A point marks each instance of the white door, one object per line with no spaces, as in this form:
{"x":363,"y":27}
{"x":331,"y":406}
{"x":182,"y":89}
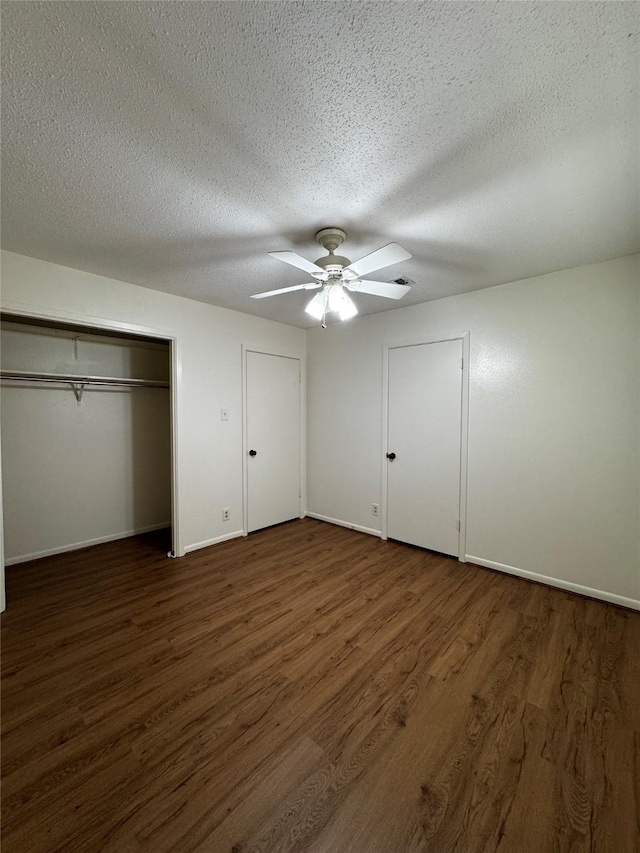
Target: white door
{"x":273,"y":439}
{"x":424,"y":434}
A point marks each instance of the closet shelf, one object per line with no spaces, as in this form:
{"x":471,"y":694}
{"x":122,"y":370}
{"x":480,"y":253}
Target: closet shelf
{"x":73,"y":379}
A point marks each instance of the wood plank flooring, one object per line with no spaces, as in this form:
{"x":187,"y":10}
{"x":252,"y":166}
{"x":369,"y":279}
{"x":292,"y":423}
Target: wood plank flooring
{"x":310,"y":688}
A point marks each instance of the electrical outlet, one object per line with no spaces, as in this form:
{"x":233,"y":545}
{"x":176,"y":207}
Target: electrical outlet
{"x":226,"y":514}
{"x":375,"y":509}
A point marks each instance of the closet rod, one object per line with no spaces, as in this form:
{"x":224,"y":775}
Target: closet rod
{"x":26,"y":376}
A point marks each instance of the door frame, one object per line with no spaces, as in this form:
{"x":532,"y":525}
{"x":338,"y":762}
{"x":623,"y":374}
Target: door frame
{"x":464,"y":429}
{"x":245,"y":349}
{"x":90,"y":322}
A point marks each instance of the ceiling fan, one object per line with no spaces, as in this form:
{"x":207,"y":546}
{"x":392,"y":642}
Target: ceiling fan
{"x":336,"y":274}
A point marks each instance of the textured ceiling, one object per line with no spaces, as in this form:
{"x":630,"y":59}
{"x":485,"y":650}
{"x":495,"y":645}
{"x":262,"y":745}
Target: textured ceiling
{"x":174,"y":144}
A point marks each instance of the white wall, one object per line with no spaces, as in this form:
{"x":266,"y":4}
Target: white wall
{"x":75,"y":473}
{"x":554,"y":408}
{"x":554,"y":469}
{"x":209,"y":339}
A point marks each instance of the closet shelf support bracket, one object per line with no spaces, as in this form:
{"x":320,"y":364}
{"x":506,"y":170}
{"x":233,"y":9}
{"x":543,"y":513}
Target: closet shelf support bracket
{"x":78,"y":390}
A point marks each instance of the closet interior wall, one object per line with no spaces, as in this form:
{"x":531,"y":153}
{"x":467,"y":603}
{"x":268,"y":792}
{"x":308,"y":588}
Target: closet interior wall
{"x":86,"y":463}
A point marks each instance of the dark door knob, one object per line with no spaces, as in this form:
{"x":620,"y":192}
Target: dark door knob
{"x":253,"y":453}
{"x":391,"y":456}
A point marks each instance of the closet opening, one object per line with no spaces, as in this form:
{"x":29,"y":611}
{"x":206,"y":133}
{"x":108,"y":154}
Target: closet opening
{"x":88,"y":437}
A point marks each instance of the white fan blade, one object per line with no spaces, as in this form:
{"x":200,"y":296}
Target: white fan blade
{"x":298,"y":261}
{"x":384,"y":257}
{"x":379,"y":288}
{"x":311,"y":286}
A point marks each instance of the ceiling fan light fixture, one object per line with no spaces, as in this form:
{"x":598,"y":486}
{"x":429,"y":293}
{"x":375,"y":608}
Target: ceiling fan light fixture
{"x":348,"y":308}
{"x":335,"y":297}
{"x":332,"y":299}
{"x":340,"y":302}
{"x":348,"y":313}
{"x":317,"y":307}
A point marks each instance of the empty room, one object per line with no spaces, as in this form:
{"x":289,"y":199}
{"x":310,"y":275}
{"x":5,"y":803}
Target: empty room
{"x":320,"y":427}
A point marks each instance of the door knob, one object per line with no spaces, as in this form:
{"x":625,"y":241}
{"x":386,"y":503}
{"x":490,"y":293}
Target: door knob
{"x":253,"y":453}
{"x":391,"y":456}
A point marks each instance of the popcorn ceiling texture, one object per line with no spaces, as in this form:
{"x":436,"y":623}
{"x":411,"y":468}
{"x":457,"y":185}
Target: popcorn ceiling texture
{"x":173,"y":145}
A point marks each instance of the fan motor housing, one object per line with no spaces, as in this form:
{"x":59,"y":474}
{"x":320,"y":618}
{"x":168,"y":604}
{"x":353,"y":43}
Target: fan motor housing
{"x":327,"y":261}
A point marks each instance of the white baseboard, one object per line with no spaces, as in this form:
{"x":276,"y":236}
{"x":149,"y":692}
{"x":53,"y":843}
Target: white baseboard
{"x":560,"y":584}
{"x":216,"y":539}
{"x":347,"y":524}
{"x":76,"y":546}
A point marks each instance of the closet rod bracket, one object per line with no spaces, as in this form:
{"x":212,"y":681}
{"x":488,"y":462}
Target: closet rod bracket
{"x":78,"y":390}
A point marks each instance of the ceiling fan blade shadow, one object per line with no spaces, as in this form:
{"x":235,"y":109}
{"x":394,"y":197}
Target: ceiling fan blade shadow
{"x":298,"y":261}
{"x":379,"y":288}
{"x":311,"y":286}
{"x":392,"y":253}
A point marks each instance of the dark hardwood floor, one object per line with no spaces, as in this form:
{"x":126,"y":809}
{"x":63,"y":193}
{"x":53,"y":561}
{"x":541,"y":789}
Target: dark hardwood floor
{"x":311,"y":688}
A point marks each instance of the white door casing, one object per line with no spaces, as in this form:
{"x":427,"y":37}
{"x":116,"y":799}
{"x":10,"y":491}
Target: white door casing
{"x":424,"y":487}
{"x":273,"y":433}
